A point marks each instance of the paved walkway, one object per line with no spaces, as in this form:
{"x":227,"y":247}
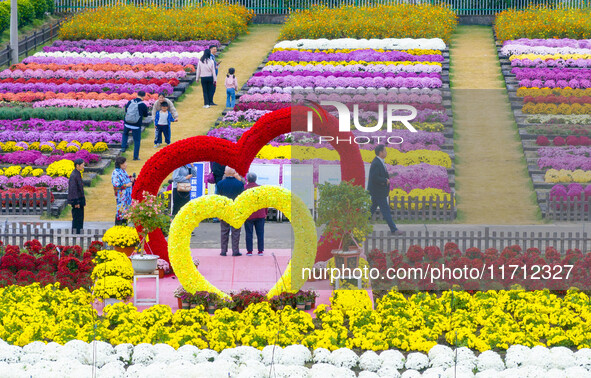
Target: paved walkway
{"x":245,"y":54}
{"x":492,"y":182}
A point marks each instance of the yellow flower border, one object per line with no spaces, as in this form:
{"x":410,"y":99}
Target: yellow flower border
{"x":235,"y":213}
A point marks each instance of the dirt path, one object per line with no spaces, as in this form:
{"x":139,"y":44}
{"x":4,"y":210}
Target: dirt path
{"x":245,"y":54}
{"x":493,"y":186}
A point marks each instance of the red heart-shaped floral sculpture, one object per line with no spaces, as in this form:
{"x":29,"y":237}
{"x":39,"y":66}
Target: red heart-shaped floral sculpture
{"x":241,"y":154}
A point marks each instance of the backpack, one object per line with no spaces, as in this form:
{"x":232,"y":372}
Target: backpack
{"x":132,"y":116}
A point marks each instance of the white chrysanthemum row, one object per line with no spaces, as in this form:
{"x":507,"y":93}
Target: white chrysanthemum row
{"x":125,"y":55}
{"x":351,"y":43}
{"x":77,"y":358}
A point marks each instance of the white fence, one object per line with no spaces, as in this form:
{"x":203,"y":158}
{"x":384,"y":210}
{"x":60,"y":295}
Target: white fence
{"x":461,"y":7}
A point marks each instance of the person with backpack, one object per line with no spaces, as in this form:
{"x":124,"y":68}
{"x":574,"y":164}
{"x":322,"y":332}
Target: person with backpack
{"x":207,"y":73}
{"x":135,"y":111}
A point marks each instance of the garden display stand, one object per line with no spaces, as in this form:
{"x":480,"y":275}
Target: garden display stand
{"x":146,"y":301}
{"x":144,"y":264}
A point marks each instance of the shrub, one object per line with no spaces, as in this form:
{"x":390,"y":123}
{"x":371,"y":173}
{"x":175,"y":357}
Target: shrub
{"x":572,"y":140}
{"x":543,"y":22}
{"x":391,"y":21}
{"x":559,"y":141}
{"x":209,"y":22}
{"x":62,"y":114}
{"x":542,"y":141}
{"x":26,"y":12}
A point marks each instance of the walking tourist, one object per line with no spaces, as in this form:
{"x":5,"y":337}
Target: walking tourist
{"x":181,"y":186}
{"x":231,"y":186}
{"x":214,"y":50}
{"x":218,"y":175}
{"x":135,"y":111}
{"x":171,"y":108}
{"x":256,"y":220}
{"x":76,"y":196}
{"x":206,"y":71}
{"x":379,"y":187}
{"x":162,"y":124}
{"x":122,"y":185}
{"x":231,"y":88}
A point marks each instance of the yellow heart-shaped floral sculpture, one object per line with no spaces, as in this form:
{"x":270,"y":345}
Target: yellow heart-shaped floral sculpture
{"x":236,"y":213}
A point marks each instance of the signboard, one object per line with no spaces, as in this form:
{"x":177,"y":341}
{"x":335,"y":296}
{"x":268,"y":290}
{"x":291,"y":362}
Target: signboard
{"x":329,"y":173}
{"x":267,"y":174}
{"x":198,"y":182}
{"x":299,"y":178}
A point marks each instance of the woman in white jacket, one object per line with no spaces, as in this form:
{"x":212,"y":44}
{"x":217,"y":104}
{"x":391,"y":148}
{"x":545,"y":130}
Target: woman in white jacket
{"x":206,"y":71}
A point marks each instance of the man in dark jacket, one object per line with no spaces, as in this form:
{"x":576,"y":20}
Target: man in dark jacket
{"x":76,"y":196}
{"x":256,"y":221}
{"x":135,"y":111}
{"x":379,"y":187}
{"x":231,"y":186}
{"x":218,"y":174}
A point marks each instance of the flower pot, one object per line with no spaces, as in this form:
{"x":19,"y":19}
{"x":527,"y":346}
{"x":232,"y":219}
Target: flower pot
{"x":144,"y":264}
{"x":346,"y":259}
{"x":239,"y":308}
{"x":180,"y":303}
{"x":308,"y":305}
{"x":301,"y":306}
{"x":160,"y":273}
{"x":127,"y":250}
{"x":211,"y":309}
{"x":112,"y":301}
{"x":313,"y":305}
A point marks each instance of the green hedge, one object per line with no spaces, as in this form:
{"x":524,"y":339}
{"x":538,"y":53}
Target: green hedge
{"x":28,"y":10}
{"x":62,"y":114}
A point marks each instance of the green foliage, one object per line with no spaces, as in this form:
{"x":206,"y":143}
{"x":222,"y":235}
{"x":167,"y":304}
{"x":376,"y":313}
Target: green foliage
{"x":345,"y":211}
{"x":28,"y":10}
{"x":53,"y":113}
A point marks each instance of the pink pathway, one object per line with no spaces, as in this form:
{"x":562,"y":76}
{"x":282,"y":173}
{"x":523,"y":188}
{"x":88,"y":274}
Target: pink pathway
{"x":232,"y":274}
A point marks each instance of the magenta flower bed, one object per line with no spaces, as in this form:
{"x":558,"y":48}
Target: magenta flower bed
{"x":539,"y":63}
{"x":353,"y":82}
{"x":90,"y":74}
{"x":357,"y":55}
{"x":565,"y":158}
{"x":417,"y":68}
{"x":38,"y":159}
{"x":59,"y":184}
{"x":563,"y":42}
{"x":46,"y":136}
{"x":573,"y":83}
{"x":121,"y":61}
{"x":573,"y":190}
{"x":84,"y":104}
{"x":345,"y":74}
{"x":40,"y":125}
{"x":390,"y":98}
{"x":551,"y":73}
{"x":98,"y":88}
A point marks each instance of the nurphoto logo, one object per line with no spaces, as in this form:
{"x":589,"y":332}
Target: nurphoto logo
{"x":344,"y":116}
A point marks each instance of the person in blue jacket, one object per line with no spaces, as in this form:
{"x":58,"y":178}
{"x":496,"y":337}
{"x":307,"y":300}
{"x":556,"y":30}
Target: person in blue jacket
{"x":231,"y":186}
{"x":162,"y":124}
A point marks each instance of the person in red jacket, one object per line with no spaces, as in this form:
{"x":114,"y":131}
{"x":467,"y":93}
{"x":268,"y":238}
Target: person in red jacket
{"x":256,"y":220}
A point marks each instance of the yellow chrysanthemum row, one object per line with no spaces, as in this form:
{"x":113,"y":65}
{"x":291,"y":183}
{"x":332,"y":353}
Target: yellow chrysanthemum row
{"x":395,"y":157}
{"x":565,"y":175}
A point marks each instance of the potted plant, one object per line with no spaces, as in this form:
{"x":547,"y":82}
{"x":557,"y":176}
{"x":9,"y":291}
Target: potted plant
{"x":344,"y":210}
{"x":301,"y":300}
{"x":112,"y":276}
{"x":310,"y":298}
{"x":163,"y":267}
{"x":122,"y":238}
{"x":148,"y":215}
{"x":180,"y":290}
{"x":212,"y":302}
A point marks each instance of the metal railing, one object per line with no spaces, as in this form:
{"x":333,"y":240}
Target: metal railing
{"x":30,"y":43}
{"x":461,"y":7}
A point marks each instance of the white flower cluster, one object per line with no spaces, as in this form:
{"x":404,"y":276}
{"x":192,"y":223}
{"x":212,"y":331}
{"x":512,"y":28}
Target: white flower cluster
{"x":352,"y":43}
{"x":125,"y":55}
{"x":79,"y":359}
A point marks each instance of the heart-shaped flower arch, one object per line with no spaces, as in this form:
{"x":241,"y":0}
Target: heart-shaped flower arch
{"x":241,"y":154}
